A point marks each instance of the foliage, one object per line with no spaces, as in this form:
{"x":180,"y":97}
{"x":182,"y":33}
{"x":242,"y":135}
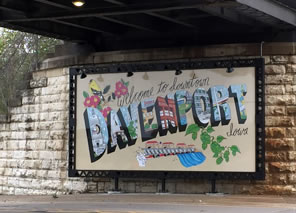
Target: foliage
{"x":220,"y":152}
{"x":147,"y":126}
{"x":132,"y":130}
{"x":154,"y":126}
{"x":85,"y":94}
{"x":20,"y":54}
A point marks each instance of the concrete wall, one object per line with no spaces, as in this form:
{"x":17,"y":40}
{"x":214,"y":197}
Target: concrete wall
{"x":34,"y":139}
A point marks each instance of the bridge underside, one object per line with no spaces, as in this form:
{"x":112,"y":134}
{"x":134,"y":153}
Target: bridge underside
{"x":131,"y":24}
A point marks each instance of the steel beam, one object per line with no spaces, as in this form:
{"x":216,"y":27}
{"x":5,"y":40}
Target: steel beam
{"x":120,"y":10}
{"x":273,"y":9}
{"x":228,"y":14}
{"x":64,"y":34}
{"x":82,"y":27}
{"x":101,"y":17}
{"x":115,"y":2}
{"x":13,"y":10}
{"x":54,"y":4}
{"x":125,"y":23}
{"x":155,"y":15}
{"x":170,"y":19}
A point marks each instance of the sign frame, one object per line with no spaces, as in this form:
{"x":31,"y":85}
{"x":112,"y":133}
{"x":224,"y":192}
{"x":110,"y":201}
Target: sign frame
{"x":257,"y":63}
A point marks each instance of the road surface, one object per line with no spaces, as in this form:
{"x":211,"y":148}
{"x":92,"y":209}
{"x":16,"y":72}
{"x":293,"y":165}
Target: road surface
{"x":147,"y":203}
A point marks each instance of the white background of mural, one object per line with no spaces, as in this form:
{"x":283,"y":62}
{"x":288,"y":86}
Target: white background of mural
{"x":126,"y":159}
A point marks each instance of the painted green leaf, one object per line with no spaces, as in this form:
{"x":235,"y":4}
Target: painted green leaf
{"x":194,"y":136}
{"x":109,"y":98}
{"x":154,"y":126}
{"x":215,"y":155}
{"x":126,"y":84}
{"x":113,"y":95}
{"x":205,"y":138}
{"x":132,"y":130}
{"x":85,"y":94}
{"x":219,"y":147}
{"x":226,"y":156}
{"x":234,"y":150}
{"x":182,"y":111}
{"x":106,"y":89}
{"x":133,"y":134}
{"x":193,"y":128}
{"x":99,"y":107}
{"x":220,"y":138}
{"x":216,"y":148}
{"x":210,"y":129}
{"x":130,"y":125}
{"x":147,"y":126}
{"x":204,"y":146}
{"x":219,"y":160}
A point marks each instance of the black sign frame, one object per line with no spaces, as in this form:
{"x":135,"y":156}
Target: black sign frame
{"x":257,"y":63}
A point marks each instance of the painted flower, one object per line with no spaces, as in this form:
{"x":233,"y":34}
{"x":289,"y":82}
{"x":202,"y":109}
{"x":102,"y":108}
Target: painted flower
{"x":121,"y":89}
{"x":92,"y":101}
{"x":87,"y":102}
{"x":119,"y":85}
{"x":117,"y":93}
{"x":105,"y":112}
{"x":95,"y":100}
{"x":124,"y":90}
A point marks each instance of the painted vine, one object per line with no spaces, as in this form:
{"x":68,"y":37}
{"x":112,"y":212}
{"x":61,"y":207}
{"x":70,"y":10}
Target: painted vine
{"x":221,"y":152}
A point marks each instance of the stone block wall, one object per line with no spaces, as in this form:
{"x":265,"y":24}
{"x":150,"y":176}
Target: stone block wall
{"x":34,"y":142}
{"x":280,"y":92}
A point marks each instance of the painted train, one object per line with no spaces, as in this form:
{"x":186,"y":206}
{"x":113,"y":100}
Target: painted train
{"x":154,"y":149}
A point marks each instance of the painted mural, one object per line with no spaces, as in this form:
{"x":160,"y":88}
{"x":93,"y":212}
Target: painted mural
{"x":202,"y":120}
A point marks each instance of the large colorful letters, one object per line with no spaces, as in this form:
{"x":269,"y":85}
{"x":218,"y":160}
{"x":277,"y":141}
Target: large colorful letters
{"x":161,"y":115}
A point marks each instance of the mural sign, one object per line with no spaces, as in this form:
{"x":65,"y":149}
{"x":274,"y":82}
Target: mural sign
{"x":208,"y":119}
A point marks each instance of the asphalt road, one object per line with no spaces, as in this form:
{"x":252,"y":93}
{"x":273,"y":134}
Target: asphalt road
{"x":143,"y":203}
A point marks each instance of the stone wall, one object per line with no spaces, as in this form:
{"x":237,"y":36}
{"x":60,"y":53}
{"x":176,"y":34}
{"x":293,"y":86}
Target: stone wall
{"x":280,"y":129}
{"x":34,"y":139}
